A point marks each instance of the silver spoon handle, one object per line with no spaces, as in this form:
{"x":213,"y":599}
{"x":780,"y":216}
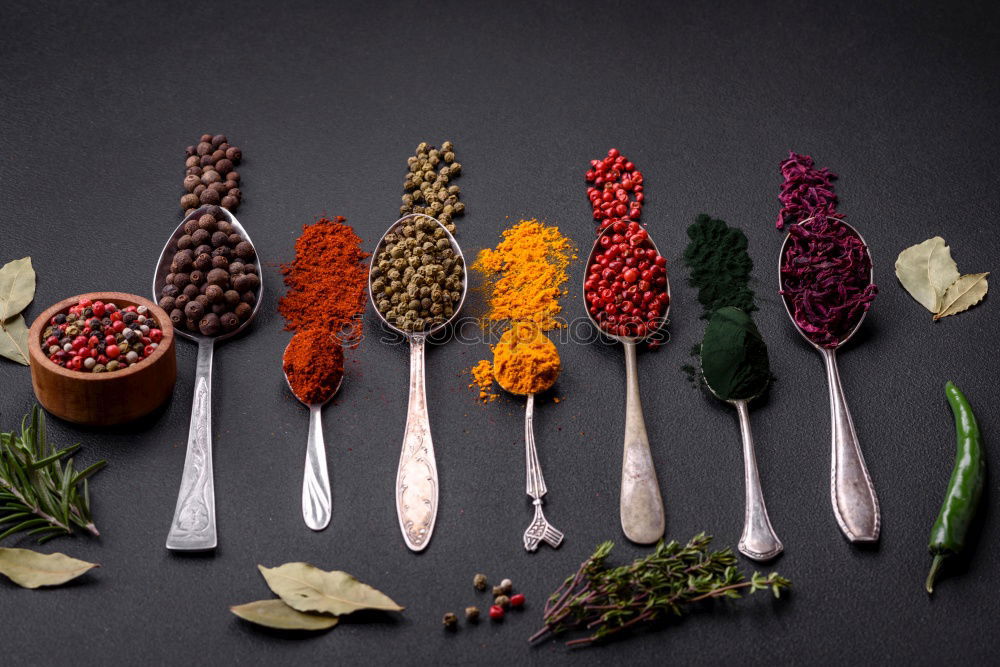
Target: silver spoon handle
{"x":317,"y":504}
{"x":641,"y":504}
{"x":854,"y":502}
{"x":535,"y":482}
{"x":758,"y":540}
{"x":193,"y":527}
{"x":416,"y":479}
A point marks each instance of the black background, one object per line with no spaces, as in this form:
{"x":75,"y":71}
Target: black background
{"x":327,"y":100}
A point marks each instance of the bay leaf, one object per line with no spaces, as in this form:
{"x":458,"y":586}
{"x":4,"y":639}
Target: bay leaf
{"x":305,"y":587}
{"x":17,"y":287}
{"x":32,"y":569}
{"x":277,"y":614}
{"x":963,"y":294}
{"x":14,"y":339}
{"x":926,"y":270}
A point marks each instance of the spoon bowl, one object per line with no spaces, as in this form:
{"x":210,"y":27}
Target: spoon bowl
{"x":193,"y":526}
{"x":641,"y":505}
{"x":416,"y":476}
{"x":317,"y":499}
{"x":855,"y":504}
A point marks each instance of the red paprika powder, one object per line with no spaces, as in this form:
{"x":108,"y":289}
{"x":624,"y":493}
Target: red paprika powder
{"x":314,"y":365}
{"x":326,"y":281}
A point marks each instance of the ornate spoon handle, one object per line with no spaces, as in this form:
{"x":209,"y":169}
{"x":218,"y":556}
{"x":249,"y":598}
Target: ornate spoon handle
{"x":758,"y":540}
{"x":416,"y":479}
{"x":642,"y":512}
{"x":193,"y":527}
{"x":317,"y":503}
{"x":540,"y":529}
{"x":854,"y":501}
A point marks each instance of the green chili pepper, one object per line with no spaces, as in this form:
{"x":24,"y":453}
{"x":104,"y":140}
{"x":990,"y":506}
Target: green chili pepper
{"x":964,"y":489}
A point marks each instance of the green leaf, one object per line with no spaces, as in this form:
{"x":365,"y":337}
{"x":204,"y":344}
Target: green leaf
{"x":14,"y":339}
{"x":963,"y":294}
{"x":17,"y":287}
{"x":31,"y":569}
{"x":926,"y":270}
{"x":305,"y":587}
{"x":277,"y":614}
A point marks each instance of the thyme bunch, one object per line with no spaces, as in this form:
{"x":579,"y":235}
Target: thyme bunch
{"x":39,"y":493}
{"x":605,"y":601}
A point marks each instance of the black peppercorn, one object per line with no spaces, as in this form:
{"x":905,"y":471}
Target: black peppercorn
{"x":194,"y":310}
{"x":219,"y":277}
{"x":229,"y":321}
{"x":61,"y":318}
{"x":244,"y":250}
{"x":209,"y":324}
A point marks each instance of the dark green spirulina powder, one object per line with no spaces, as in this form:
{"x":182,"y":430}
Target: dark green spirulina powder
{"x":720,"y":266}
{"x":734,"y":356}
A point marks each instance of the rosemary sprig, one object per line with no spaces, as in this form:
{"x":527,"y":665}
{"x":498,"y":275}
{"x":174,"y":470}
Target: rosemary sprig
{"x":607,"y":601}
{"x":38,"y":492}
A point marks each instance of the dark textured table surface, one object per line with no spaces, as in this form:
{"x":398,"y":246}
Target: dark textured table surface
{"x":98,"y":101}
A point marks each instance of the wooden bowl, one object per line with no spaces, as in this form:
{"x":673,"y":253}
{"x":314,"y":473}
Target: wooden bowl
{"x":103,"y":398}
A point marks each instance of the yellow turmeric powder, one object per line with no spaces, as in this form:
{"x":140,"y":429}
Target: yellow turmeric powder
{"x":525,"y":361}
{"x":525,"y":274}
{"x":524,"y":278}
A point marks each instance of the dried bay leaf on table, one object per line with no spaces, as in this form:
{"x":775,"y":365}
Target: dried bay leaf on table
{"x":32,"y":569}
{"x":305,"y":587}
{"x":14,"y":339}
{"x":926,"y":270}
{"x":17,"y":287}
{"x":964,"y":293}
{"x":277,"y":614}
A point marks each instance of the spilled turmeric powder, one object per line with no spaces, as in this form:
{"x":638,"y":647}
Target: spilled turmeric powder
{"x":525,"y":361}
{"x":524,"y":277}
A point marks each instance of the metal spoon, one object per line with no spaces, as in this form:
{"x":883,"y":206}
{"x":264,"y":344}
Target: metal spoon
{"x":854,"y":501}
{"x":642,"y":513}
{"x":540,"y":529}
{"x":193,"y":526}
{"x":317,"y":503}
{"x":416,"y":477}
{"x":758,"y":540}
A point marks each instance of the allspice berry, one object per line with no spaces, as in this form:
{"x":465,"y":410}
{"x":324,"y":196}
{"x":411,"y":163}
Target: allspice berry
{"x":189,"y":201}
{"x":244,"y":250}
{"x":209,"y":196}
{"x":194,"y":310}
{"x":219,"y":277}
{"x":230,"y":321}
{"x":243,"y":311}
{"x":209,"y":324}
{"x":214,"y":293}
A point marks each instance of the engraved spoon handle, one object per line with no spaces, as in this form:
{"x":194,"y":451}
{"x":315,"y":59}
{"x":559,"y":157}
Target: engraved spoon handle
{"x":854,"y":501}
{"x":758,"y":540}
{"x":416,"y":479}
{"x":193,"y":527}
{"x":642,"y":514}
{"x":317,"y":504}
{"x":535,"y":482}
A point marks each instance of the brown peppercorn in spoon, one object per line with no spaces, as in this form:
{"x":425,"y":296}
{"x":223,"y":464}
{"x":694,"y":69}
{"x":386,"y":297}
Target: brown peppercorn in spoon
{"x":540,"y":529}
{"x":317,"y":501}
{"x":641,"y":505}
{"x":193,"y":526}
{"x":416,"y":476}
